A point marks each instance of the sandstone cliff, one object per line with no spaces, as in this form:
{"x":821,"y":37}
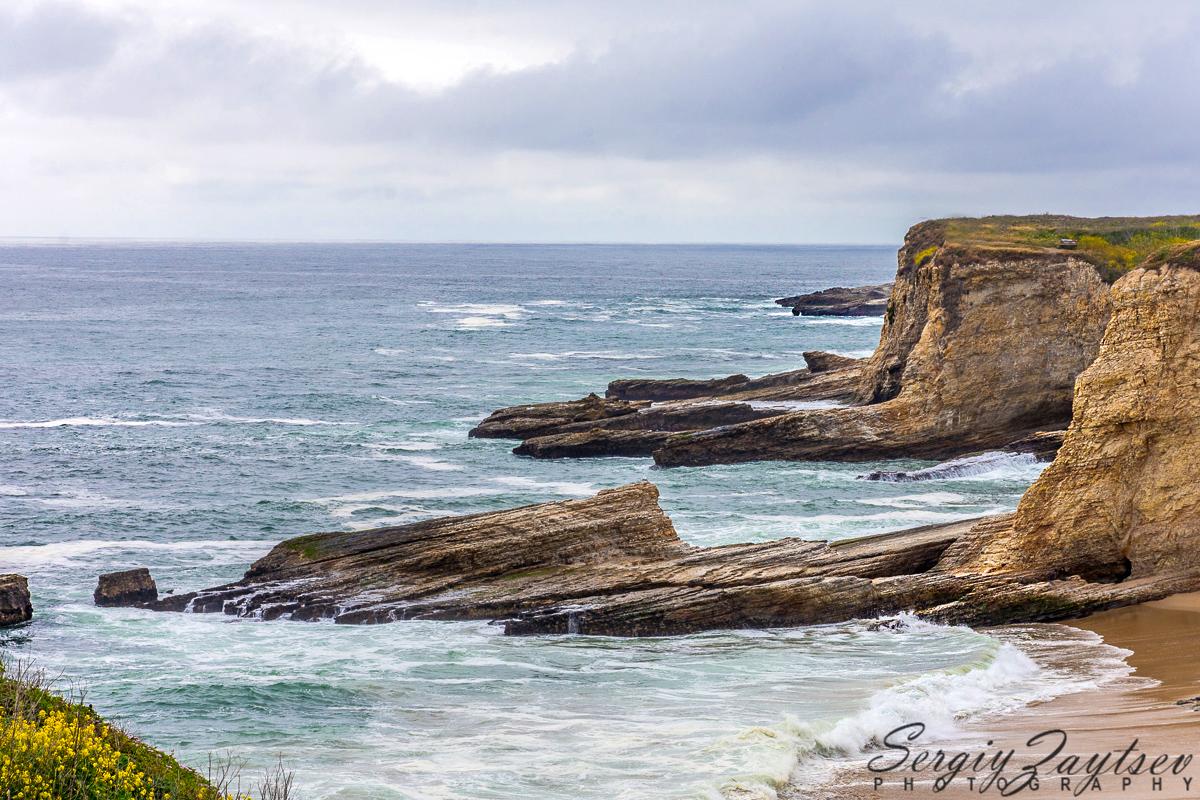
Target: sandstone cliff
{"x":1121,"y":498}
{"x":980,"y":347}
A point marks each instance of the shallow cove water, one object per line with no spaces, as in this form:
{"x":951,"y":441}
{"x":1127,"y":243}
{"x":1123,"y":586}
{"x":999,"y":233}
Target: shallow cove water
{"x":184,"y":407}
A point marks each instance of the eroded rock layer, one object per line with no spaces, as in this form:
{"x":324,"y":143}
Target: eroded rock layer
{"x":980,"y":347}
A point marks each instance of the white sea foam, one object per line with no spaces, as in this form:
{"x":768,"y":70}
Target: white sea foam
{"x":40,"y":555}
{"x":12,"y":491}
{"x":411,"y":494}
{"x":1018,"y":671}
{"x":986,"y":466}
{"x":598,"y":355}
{"x":99,"y":422}
{"x":389,"y":351}
{"x":557,"y":487}
{"x":173,"y":421}
{"x":433,"y":464}
{"x":853,"y":322}
{"x":471,"y":323}
{"x":917,"y":500}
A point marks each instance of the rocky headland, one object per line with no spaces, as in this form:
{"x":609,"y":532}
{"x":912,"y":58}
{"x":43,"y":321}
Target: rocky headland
{"x":1114,"y":520}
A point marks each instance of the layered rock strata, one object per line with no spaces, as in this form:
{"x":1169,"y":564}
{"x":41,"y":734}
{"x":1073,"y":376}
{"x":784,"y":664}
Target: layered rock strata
{"x":638,"y":416}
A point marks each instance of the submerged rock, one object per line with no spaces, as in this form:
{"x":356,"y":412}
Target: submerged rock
{"x":131,"y":587}
{"x":840,"y":301}
{"x":15,"y":604}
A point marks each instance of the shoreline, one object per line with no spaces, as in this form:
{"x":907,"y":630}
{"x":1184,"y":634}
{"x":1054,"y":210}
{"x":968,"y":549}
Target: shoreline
{"x":1160,"y":637}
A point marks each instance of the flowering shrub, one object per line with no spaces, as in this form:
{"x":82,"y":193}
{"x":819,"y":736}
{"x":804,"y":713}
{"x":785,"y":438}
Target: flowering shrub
{"x":52,"y":749}
{"x":58,"y":755}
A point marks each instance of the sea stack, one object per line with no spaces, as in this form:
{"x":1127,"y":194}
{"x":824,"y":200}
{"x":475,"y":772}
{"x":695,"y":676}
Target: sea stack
{"x":131,"y":587}
{"x":15,"y":605}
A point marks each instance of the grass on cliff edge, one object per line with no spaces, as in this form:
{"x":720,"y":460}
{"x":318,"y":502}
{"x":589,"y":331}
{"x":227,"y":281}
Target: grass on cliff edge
{"x":1114,"y":244}
{"x":54,"y":749}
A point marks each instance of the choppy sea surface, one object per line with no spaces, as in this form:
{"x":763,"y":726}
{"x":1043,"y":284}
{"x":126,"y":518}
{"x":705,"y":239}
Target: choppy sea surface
{"x":184,"y":407}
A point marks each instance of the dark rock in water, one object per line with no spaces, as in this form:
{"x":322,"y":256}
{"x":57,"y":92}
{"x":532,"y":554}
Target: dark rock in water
{"x":840,"y":301}
{"x":820,"y":361}
{"x":638,"y":434}
{"x":132,"y":587}
{"x":673,"y":388}
{"x":540,"y":419}
{"x":593,"y":442}
{"x":15,"y":605}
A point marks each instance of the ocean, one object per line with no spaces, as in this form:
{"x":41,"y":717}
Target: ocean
{"x":186,"y":406}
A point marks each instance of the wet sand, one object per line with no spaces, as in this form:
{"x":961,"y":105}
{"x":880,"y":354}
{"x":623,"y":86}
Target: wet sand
{"x":1165,"y":639}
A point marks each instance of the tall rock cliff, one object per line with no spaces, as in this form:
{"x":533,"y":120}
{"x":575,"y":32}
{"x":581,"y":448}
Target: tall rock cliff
{"x":1123,"y":495}
{"x":980,"y":345}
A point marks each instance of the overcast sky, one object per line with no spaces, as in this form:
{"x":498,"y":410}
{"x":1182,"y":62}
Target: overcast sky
{"x":590,"y":121}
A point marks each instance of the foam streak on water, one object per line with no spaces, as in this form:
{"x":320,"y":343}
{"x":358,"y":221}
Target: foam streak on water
{"x":185,"y":408}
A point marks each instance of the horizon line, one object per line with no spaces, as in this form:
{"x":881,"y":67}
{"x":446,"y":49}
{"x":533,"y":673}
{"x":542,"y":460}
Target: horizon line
{"x":17,"y":239}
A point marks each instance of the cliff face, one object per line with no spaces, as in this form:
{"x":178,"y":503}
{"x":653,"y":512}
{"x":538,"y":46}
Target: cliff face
{"x":1121,"y":497}
{"x":979,"y":348}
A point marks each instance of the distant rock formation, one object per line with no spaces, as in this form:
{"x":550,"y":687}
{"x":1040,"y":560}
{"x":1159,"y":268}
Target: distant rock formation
{"x":639,"y":416}
{"x":131,"y":587}
{"x":861,"y":301}
{"x":15,"y":605}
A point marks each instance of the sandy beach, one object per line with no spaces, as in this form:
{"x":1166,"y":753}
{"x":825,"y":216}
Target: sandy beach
{"x":1145,"y":708}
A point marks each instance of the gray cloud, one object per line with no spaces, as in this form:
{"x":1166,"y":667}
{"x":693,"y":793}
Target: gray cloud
{"x":894,"y":103}
{"x":54,"y":38}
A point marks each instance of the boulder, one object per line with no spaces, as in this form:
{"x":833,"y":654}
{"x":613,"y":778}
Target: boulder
{"x":15,"y":605}
{"x":131,"y":587}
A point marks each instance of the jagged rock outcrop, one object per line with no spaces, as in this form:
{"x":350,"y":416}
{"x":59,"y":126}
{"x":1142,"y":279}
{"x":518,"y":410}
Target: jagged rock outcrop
{"x":840,"y":301}
{"x":980,"y":347}
{"x":637,"y":416}
{"x":612,"y":562}
{"x":539,"y":419}
{"x":131,"y":587}
{"x":15,"y":605}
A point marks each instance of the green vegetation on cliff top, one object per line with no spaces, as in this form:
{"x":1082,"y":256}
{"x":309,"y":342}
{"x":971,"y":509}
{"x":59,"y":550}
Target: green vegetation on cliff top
{"x":1114,"y":244}
{"x":52,"y":748}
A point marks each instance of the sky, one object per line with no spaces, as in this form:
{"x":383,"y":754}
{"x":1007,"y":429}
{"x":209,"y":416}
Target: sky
{"x":754,"y":121}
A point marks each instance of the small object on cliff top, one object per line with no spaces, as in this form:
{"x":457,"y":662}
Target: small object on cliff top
{"x":1067,"y":244}
{"x":15,"y":606}
{"x":132,"y":587}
